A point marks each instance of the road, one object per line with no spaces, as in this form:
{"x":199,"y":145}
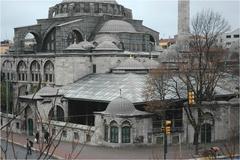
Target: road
{"x":20,"y":152}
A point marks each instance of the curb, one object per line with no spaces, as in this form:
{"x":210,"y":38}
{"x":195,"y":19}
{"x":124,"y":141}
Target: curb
{"x":33,"y":148}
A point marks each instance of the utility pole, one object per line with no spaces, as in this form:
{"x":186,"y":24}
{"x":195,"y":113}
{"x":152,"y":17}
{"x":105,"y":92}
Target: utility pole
{"x":165,"y":145}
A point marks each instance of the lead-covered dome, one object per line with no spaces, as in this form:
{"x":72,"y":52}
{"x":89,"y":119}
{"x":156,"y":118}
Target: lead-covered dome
{"x":94,"y":1}
{"x":130,"y":64}
{"x":117,"y":26}
{"x":121,"y":106}
{"x":107,"y":46}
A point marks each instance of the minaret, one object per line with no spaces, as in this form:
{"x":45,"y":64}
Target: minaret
{"x":183,"y":22}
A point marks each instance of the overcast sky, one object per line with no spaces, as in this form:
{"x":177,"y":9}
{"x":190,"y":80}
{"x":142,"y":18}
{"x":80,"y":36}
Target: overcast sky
{"x":160,"y":15}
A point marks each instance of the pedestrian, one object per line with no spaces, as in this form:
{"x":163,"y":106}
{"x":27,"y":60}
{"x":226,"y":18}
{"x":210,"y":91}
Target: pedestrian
{"x":37,"y":137}
{"x":46,"y":136}
{"x":29,"y":146}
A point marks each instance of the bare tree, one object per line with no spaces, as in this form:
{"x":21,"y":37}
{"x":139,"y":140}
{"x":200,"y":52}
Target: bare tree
{"x":200,"y":71}
{"x":46,"y":150}
{"x":204,"y":68}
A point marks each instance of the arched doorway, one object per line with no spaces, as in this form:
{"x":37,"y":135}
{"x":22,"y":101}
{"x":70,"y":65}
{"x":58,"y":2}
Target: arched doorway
{"x":28,"y":120}
{"x":30,"y":126}
{"x":206,"y":133}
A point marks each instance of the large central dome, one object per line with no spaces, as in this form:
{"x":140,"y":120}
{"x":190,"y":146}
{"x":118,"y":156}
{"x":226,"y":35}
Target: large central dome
{"x":95,"y":1}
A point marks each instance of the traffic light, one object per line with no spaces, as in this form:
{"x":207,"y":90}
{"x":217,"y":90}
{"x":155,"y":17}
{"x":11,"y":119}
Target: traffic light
{"x":168,"y":125}
{"x":191,"y":97}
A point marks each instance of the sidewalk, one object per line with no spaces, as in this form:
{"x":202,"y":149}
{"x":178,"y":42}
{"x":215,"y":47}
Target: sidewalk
{"x":100,"y":152}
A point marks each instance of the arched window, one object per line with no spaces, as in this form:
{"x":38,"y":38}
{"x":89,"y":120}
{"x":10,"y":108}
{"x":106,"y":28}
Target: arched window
{"x":49,"y":72}
{"x":113,"y":132}
{"x":49,"y":43}
{"x":22,"y":71}
{"x":7,"y":70}
{"x":58,"y":115}
{"x":206,"y":133}
{"x":126,"y":132}
{"x":74,"y":36}
{"x":35,"y":71}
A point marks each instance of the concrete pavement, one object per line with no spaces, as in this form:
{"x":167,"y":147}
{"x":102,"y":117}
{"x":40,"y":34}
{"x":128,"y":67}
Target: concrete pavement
{"x":101,"y":152}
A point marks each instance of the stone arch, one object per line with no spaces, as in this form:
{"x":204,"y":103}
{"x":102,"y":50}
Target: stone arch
{"x":33,"y":43}
{"x":22,"y":71}
{"x":49,"y":41}
{"x":48,"y":71}
{"x":126,"y":121}
{"x":74,"y":36}
{"x":35,"y":71}
{"x":152,"y":39}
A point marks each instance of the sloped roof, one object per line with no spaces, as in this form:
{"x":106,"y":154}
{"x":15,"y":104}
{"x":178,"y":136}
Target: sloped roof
{"x":43,"y":92}
{"x":106,"y":87}
{"x":94,"y":1}
{"x":117,"y":26}
{"x":130,"y":64}
{"x":150,"y":64}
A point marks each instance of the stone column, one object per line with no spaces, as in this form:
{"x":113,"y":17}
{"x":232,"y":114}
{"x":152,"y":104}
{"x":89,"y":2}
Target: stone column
{"x":119,"y":134}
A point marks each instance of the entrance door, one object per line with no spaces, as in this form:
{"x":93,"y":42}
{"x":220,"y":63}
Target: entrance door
{"x":30,"y":127}
{"x":206,"y":133}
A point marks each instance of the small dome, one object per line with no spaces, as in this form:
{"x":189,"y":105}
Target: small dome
{"x":48,"y":91}
{"x":94,"y":1}
{"x":120,"y":105}
{"x":106,"y":37}
{"x":75,"y":46}
{"x":115,"y":26}
{"x":130,"y":64}
{"x":86,"y":45}
{"x":150,"y":64}
{"x":107,"y":46}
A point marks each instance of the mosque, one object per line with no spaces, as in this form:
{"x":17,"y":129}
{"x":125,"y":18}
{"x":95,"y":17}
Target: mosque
{"x":91,"y":59}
